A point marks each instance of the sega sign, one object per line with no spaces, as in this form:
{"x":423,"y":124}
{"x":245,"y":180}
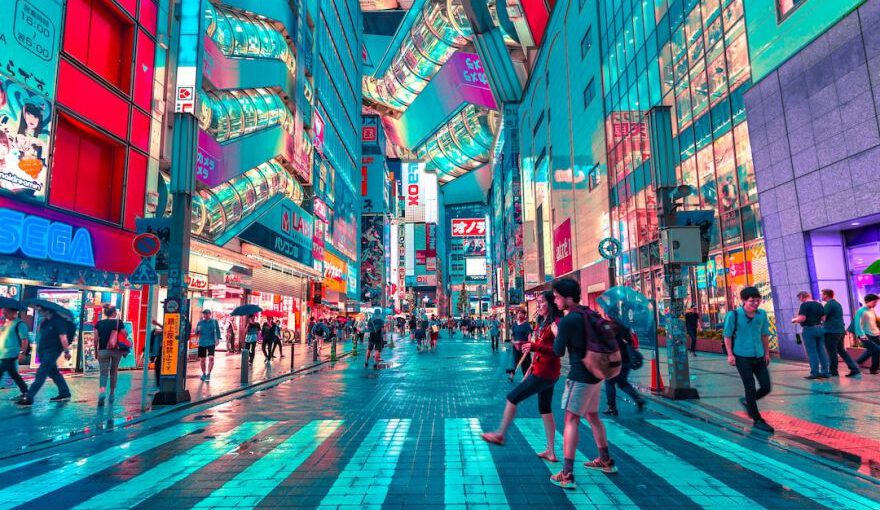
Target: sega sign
{"x":468,"y":227}
{"x":40,"y":238}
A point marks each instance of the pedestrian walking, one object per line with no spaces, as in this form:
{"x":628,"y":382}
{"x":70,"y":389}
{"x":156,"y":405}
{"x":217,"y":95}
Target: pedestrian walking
{"x":268,"y":334}
{"x":626,"y":344}
{"x":582,"y":388}
{"x":14,"y":343}
{"x":835,"y":331}
{"x":421,"y":334}
{"x":692,"y":324}
{"x":810,"y":316}
{"x":434,"y":331}
{"x":376,"y":340}
{"x":252,"y":334}
{"x":747,"y":338}
{"x":208,"y":330}
{"x":156,"y":350}
{"x":320,"y":332}
{"x":540,"y":380}
{"x":494,"y":333}
{"x":53,"y":339}
{"x":412,"y":327}
{"x":230,"y":338}
{"x":109,"y":354}
{"x":866,"y":330}
{"x":521,"y":332}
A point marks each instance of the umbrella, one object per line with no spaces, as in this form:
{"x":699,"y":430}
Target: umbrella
{"x":14,"y":304}
{"x":874,"y":268}
{"x":246,"y":310}
{"x":273,"y":313}
{"x":630,"y":307}
{"x":49,"y":305}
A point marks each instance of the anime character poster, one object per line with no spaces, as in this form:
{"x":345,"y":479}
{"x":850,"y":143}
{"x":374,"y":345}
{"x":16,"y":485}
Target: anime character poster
{"x":25,"y":126}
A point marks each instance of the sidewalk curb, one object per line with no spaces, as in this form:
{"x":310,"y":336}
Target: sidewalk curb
{"x":780,"y":440}
{"x":164,"y":412}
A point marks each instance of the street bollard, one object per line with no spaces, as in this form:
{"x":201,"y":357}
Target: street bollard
{"x":315,"y":343}
{"x":354,"y":347}
{"x":333,"y":349}
{"x":292,"y":343}
{"x":391,"y":344}
{"x":245,"y":359}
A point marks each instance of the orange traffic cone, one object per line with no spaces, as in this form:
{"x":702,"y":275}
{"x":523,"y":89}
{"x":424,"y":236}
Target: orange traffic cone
{"x":656,"y":377}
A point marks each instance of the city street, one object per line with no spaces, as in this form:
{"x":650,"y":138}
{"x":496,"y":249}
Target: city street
{"x":407,"y":436}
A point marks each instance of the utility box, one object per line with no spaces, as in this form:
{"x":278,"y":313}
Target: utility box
{"x":681,"y":245}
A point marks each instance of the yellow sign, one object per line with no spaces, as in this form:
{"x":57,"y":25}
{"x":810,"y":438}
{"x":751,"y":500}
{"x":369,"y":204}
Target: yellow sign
{"x":170,"y":334}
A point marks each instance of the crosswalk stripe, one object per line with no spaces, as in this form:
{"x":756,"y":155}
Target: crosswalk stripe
{"x":803,"y":483}
{"x":87,"y":466}
{"x":250,"y":486}
{"x":598,"y":491}
{"x":471,"y":478}
{"x":166,"y":474}
{"x":364,"y":482}
{"x":13,"y":467}
{"x":700,"y":487}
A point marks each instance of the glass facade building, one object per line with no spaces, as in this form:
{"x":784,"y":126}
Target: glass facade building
{"x":692,"y":56}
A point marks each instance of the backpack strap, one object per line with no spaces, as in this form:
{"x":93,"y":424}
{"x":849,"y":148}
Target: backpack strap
{"x":735,"y":327}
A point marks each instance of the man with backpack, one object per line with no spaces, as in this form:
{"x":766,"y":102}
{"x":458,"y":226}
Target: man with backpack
{"x":579,"y":332}
{"x":376,"y":340}
{"x":631,"y":359}
{"x":13,"y":347}
{"x":747,"y":338}
{"x":319,"y":333}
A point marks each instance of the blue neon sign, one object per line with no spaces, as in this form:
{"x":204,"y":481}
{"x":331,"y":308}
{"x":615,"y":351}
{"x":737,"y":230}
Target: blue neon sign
{"x":40,"y":238}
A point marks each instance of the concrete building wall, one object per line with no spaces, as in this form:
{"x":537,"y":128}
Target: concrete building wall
{"x":815,"y":132}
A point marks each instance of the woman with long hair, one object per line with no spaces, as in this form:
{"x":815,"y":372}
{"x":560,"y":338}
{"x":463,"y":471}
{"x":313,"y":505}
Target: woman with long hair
{"x":539,"y":380}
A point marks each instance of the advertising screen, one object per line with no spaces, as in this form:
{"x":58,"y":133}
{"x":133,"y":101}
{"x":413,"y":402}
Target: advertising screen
{"x":475,"y":267}
{"x":30,"y":33}
{"x":372,"y":259}
{"x":25,"y":128}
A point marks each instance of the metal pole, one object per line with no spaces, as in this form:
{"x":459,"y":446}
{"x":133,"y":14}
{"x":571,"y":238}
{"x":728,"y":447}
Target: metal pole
{"x":151,"y":302}
{"x":665,"y":182}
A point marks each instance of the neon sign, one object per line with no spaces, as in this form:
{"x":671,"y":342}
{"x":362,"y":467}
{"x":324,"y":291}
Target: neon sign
{"x":412,"y":188}
{"x":40,"y":238}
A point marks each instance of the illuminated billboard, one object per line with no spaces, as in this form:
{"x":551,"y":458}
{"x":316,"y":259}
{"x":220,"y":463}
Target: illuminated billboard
{"x":25,"y":127}
{"x":475,"y":268}
{"x":420,"y":194}
{"x":465,"y":227}
{"x":30,"y":34}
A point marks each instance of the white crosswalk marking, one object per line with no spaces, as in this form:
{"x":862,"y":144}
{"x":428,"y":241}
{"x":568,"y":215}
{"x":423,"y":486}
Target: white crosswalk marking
{"x":41,"y":485}
{"x":166,"y":474}
{"x":364,"y":482}
{"x":594,"y":489}
{"x":695,"y":484}
{"x":800,"y":481}
{"x":471,"y":480}
{"x":252,"y":485}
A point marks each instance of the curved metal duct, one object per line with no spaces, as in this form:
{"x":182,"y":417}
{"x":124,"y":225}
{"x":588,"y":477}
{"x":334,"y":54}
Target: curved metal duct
{"x":242,"y":35}
{"x":463,"y":144}
{"x":440,"y":30}
{"x":216,"y":210}
{"x":228,"y":114}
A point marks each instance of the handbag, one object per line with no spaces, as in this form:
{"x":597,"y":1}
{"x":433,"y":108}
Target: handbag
{"x":123,"y":342}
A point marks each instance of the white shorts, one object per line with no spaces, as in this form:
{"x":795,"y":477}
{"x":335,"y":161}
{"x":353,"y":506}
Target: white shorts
{"x":581,"y":398}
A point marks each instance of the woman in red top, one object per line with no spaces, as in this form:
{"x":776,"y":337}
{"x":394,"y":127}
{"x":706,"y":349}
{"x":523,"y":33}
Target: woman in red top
{"x":539,"y":380}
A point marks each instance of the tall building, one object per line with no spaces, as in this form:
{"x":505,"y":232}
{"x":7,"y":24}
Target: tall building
{"x":813,"y":117}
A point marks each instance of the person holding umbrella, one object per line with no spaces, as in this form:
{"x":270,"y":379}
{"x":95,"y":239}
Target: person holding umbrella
{"x":13,"y":342}
{"x":53,"y":339}
{"x":252,"y":327}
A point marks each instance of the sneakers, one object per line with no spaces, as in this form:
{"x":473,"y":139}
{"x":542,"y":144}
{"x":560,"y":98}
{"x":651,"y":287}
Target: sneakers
{"x":763,"y":426}
{"x":207,"y":377}
{"x":812,"y":376}
{"x":564,"y":480}
{"x":854,"y":373}
{"x":60,"y":398}
{"x":25,"y":401}
{"x":202,"y":377}
{"x":606,"y":466}
{"x":18,"y":397}
{"x":640,"y":405}
{"x":101,"y":401}
{"x":611,"y":411}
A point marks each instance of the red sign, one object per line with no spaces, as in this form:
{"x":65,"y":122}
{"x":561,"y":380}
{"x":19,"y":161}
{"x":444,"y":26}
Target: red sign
{"x":318,"y":127}
{"x":146,"y":245}
{"x":320,"y":209}
{"x":563,"y":261}
{"x":369,"y":134}
{"x":468,"y":227}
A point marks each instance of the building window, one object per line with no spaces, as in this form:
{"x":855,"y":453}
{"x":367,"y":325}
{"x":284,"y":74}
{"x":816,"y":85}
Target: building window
{"x":785,"y":7}
{"x":586,"y":42}
{"x":538,"y":123}
{"x":589,"y":93}
{"x":101,"y":37}
{"x":593,"y":177}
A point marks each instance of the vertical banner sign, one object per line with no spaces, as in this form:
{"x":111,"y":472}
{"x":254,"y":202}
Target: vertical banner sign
{"x":563,"y":261}
{"x":188,"y":59}
{"x":170,"y":335}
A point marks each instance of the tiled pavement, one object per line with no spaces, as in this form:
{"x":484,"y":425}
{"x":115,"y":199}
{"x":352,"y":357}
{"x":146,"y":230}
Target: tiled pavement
{"x":407,"y":436}
{"x":47,"y":421}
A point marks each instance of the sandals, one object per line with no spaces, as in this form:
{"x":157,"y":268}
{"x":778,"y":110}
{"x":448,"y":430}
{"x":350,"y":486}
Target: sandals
{"x":491,"y":437}
{"x":549,"y":457}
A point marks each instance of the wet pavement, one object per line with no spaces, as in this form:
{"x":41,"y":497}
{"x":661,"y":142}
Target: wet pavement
{"x":406,"y":435}
{"x":47,"y":422}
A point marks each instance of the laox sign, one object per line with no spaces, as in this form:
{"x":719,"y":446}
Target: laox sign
{"x":412,"y":185}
